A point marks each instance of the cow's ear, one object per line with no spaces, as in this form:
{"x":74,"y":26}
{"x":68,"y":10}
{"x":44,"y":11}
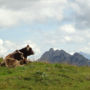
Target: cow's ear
{"x":28,"y":47}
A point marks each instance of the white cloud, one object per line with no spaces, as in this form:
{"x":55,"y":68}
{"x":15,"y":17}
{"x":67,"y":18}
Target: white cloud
{"x":67,"y":38}
{"x":68,"y":28}
{"x":1,"y":41}
{"x":7,"y":17}
{"x":30,"y":11}
{"x":66,"y":33}
{"x":85,"y":49}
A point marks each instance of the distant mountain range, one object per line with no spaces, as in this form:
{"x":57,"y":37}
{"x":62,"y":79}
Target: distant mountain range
{"x":60,"y":56}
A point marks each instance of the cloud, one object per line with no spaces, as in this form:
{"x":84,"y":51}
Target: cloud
{"x":41,"y":11}
{"x":68,"y":28}
{"x":17,"y":4}
{"x":66,"y":33}
{"x":29,"y":11}
{"x":1,"y":41}
{"x":20,"y":4}
{"x":7,"y":47}
{"x":67,"y":38}
{"x":85,"y":49}
{"x":81,"y":14}
{"x":8,"y":17}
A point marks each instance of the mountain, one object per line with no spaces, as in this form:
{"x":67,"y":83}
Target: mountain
{"x":78,"y":59}
{"x":85,"y":55}
{"x":60,"y":56}
{"x":55,"y":56}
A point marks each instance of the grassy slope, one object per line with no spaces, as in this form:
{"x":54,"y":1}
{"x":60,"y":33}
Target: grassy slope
{"x":42,"y":76}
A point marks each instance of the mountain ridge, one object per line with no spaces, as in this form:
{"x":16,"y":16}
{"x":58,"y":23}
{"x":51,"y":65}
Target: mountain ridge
{"x":61,"y":56}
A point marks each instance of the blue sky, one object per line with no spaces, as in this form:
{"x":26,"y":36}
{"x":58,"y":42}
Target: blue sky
{"x":44,"y":24}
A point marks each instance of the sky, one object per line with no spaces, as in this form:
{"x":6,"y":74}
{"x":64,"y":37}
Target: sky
{"x":44,"y":24}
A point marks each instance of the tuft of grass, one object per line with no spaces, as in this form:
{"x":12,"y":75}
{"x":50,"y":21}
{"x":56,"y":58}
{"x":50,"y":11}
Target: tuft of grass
{"x":45,"y":76}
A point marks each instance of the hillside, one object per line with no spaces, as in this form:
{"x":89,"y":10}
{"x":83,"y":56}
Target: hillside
{"x":45,"y":76}
{"x":61,"y":56}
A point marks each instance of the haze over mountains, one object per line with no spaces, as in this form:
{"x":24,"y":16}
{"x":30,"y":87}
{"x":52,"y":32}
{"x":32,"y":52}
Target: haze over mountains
{"x":61,"y":56}
{"x":85,"y":55}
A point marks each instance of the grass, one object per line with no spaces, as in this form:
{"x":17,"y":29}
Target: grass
{"x":44,"y":76}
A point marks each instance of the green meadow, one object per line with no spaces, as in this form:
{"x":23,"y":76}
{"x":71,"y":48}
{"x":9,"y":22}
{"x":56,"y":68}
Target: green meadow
{"x":45,"y":76}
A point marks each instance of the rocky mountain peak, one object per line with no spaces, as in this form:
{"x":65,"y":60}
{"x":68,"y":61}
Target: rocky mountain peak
{"x":61,"y":56}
